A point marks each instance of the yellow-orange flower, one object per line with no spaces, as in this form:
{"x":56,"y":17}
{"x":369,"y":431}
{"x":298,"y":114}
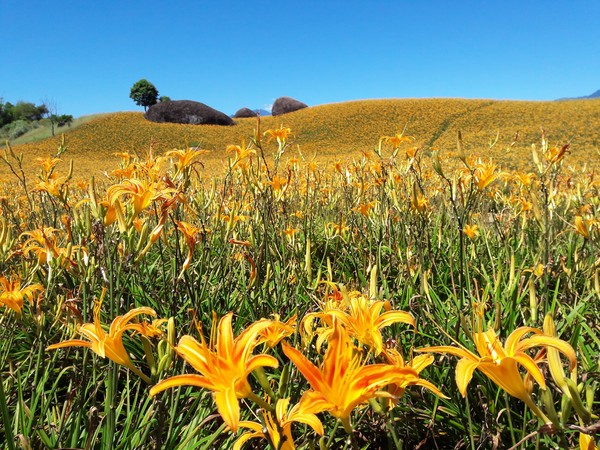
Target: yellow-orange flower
{"x":284,"y":417}
{"x":343,"y":381}
{"x":418,"y":363}
{"x":471,"y":231}
{"x":587,"y":442}
{"x":581,"y":227}
{"x":43,"y":243}
{"x":337,"y":229}
{"x":364,"y":321}
{"x":141,"y":193}
{"x":190,"y":235}
{"x":281,"y":134}
{"x":501,"y":363}
{"x":485,"y":174}
{"x":224,"y":364}
{"x":184,"y":157}
{"x":277,"y":330}
{"x":110,"y":345}
{"x":48,"y":165}
{"x":12,"y":294}
{"x":396,"y":141}
{"x":290,"y":232}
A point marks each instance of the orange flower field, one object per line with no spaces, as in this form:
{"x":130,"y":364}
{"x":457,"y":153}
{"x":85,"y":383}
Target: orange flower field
{"x":290,"y":285}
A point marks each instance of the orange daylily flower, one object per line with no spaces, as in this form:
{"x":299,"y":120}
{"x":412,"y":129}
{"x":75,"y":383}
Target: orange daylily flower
{"x":48,"y":164}
{"x":587,"y":442}
{"x":110,"y":345}
{"x":364,"y":321}
{"x":555,"y":154}
{"x":190,"y":235}
{"x":337,"y":229}
{"x":290,"y":232}
{"x":581,"y":227}
{"x":141,"y":193}
{"x":281,"y":134}
{"x":284,"y":417}
{"x":184,"y":157}
{"x":471,"y":231}
{"x":12,"y":295}
{"x":53,"y":185}
{"x":501,"y":363}
{"x":418,"y":363}
{"x":419,"y":202}
{"x":43,"y":243}
{"x":485,"y":174}
{"x":152,"y":329}
{"x":524,"y":178}
{"x":224,"y":365}
{"x":278,"y":183}
{"x":343,"y":381}
{"x":242,"y":153}
{"x":396,"y":141}
{"x":278,"y":330}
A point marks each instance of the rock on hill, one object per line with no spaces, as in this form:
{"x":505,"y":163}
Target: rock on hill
{"x":186,"y":112}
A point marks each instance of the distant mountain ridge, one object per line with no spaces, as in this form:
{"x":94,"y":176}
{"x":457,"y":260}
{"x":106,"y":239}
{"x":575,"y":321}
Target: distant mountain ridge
{"x":585,"y":97}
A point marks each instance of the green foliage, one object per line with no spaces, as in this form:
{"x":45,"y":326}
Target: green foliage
{"x":164,"y":98}
{"x":25,"y":111}
{"x":144,"y":93}
{"x":62,"y":119}
{"x":6,"y":112}
{"x":28,"y":111}
{"x":16,"y":128}
{"x":268,"y":238}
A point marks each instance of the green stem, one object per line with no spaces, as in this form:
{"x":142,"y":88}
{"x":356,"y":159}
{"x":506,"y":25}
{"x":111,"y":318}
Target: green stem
{"x":471,"y":434}
{"x":140,"y":374}
{"x":10,"y":439}
{"x":390,"y":425}
{"x":332,"y":434}
{"x":510,"y":424}
{"x":109,"y":408}
{"x":260,"y":402}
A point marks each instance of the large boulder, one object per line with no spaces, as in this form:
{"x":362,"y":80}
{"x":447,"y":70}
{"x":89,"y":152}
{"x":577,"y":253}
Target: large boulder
{"x":244,"y":112}
{"x":284,"y":105}
{"x":188,"y":112}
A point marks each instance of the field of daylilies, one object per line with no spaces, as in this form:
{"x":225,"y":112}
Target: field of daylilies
{"x":412,"y":298}
{"x":330,"y":132}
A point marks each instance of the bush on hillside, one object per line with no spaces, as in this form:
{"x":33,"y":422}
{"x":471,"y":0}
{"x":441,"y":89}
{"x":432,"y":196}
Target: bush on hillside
{"x":16,"y":129}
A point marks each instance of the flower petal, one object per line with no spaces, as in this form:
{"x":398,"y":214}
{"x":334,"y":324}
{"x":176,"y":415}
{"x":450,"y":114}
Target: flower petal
{"x":70,"y":343}
{"x":261,"y":361}
{"x":307,"y":368}
{"x":237,"y":445}
{"x":181,"y":380}
{"x":456,"y":351}
{"x":554,"y":342}
{"x":390,"y":317}
{"x":464,"y":374}
{"x":512,"y":344}
{"x":228,"y":407}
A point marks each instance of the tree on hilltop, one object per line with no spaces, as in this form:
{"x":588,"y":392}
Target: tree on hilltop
{"x":144,"y":93}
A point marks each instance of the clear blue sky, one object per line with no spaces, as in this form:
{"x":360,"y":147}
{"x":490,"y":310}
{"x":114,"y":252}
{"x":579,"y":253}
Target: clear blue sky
{"x":85,"y":55}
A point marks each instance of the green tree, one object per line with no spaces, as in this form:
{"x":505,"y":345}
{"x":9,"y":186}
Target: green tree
{"x":6,"y":112}
{"x":28,"y":111}
{"x":144,"y":93}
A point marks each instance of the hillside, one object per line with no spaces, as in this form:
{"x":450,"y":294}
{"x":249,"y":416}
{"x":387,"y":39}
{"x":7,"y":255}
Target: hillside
{"x":343,"y":130}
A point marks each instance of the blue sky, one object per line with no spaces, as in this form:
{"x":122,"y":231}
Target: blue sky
{"x":85,"y":55}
